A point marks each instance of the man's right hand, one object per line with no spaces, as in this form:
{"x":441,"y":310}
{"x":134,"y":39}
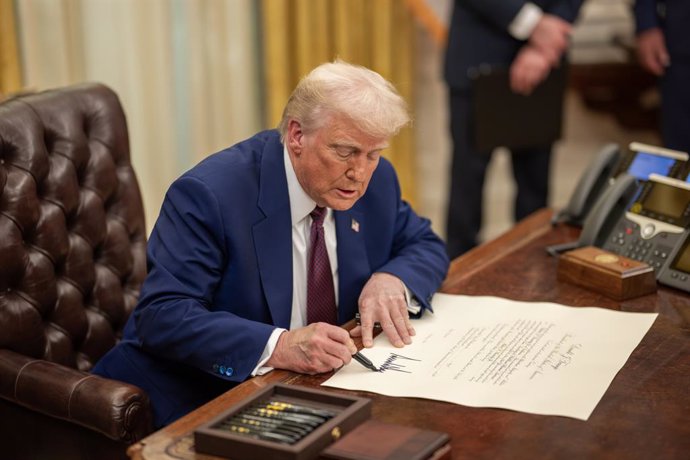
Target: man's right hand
{"x":316,"y":348}
{"x":551,"y":37}
{"x":652,"y":52}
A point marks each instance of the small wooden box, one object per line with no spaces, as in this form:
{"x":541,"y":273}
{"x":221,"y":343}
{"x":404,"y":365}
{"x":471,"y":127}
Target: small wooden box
{"x":350,"y":411}
{"x":375,"y":440}
{"x":614,"y":276}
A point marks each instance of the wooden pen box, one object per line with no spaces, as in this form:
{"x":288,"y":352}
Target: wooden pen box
{"x":376,"y":440}
{"x":216,"y":437}
{"x":610,"y":274}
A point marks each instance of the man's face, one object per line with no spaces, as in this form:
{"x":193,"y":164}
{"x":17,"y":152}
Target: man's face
{"x":334,"y":164}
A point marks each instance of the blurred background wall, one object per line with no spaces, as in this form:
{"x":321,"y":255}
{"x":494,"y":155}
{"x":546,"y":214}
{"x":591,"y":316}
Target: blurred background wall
{"x":195,"y":76}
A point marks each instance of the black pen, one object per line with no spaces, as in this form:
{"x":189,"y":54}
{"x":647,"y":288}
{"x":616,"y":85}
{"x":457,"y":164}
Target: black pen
{"x":364,"y":361}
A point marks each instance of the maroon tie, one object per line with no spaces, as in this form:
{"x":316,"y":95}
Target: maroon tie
{"x":320,"y":292}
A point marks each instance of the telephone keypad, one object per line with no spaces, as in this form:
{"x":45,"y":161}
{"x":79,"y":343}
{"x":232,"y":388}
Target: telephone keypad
{"x":628,"y":241}
{"x":639,"y":249}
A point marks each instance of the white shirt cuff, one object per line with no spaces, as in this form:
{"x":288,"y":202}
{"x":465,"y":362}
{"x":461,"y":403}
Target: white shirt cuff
{"x":260,"y":369}
{"x":525,"y":21}
{"x":413,"y":305}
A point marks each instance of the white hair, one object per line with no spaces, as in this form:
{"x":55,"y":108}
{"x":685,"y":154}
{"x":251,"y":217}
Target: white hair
{"x":340,"y":88}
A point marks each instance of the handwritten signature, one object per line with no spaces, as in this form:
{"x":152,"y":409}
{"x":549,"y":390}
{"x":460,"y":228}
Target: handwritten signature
{"x":393,"y":363}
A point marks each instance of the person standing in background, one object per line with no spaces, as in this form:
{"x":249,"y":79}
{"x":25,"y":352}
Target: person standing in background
{"x":530,"y":38}
{"x":663,"y":47}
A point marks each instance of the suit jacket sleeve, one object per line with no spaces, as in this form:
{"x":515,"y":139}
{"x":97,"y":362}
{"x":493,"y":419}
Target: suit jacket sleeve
{"x":501,"y":13}
{"x":176,"y":317}
{"x":418,"y":256}
{"x":645,"y":15}
{"x":565,"y":9}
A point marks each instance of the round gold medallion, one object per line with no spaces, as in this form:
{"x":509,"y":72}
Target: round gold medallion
{"x":606,"y":259}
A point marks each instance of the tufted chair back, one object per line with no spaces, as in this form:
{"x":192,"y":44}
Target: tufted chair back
{"x":72,"y":260}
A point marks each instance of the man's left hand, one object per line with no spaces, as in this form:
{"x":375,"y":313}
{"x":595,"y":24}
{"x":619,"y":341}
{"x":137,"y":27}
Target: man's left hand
{"x":528,"y":70}
{"x":383,"y":300}
{"x":551,"y":37}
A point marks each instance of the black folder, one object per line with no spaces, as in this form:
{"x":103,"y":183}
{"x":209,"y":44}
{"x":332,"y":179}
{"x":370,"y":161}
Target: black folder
{"x":503,"y":118}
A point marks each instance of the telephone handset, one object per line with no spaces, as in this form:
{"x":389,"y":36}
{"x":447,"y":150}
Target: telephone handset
{"x":608,"y":210}
{"x":605,"y":213}
{"x":591,"y":185}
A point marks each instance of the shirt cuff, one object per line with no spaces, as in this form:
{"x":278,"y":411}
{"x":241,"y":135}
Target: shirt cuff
{"x":413,"y":305}
{"x":260,"y":369}
{"x":525,"y":21}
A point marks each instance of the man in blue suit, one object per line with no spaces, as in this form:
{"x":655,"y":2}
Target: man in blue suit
{"x":528,"y":37}
{"x":226,"y":292}
{"x":663,"y":46}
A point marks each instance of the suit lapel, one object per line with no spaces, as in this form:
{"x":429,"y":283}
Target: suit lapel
{"x":273,"y":235}
{"x":353,"y":263}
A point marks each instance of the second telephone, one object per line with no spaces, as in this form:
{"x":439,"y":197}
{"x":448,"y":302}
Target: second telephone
{"x":654,"y":224}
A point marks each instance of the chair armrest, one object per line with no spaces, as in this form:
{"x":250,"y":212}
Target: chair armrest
{"x":118,"y":410}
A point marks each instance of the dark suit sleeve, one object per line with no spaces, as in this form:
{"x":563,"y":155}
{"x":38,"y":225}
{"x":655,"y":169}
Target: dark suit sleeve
{"x":645,"y":15}
{"x":499,"y":13}
{"x":176,"y":317}
{"x":567,"y":10}
{"x":418,"y":255}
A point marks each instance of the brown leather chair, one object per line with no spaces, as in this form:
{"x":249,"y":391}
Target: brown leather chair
{"x":72,"y":260}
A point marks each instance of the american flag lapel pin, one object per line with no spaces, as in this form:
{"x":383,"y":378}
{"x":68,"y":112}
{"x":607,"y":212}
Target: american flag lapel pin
{"x":355,"y":226}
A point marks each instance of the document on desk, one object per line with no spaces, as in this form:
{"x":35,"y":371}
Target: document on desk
{"x":536,"y":357}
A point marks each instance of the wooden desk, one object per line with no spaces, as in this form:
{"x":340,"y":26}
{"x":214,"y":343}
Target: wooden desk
{"x":644,"y":414}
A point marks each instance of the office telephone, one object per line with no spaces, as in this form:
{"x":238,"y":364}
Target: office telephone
{"x":654,"y":224}
{"x":639,"y":161}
